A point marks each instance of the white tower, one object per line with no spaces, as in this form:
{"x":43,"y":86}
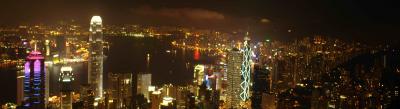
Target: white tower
{"x":95,"y":70}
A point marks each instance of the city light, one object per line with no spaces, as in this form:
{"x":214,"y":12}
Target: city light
{"x":245,"y":71}
{"x":206,"y":55}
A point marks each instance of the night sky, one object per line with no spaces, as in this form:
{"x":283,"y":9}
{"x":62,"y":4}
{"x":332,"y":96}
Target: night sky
{"x":364,"y":20}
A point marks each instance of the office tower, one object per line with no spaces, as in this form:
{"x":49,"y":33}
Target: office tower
{"x":143,"y":83}
{"x":34,"y":84}
{"x":95,"y":64}
{"x":260,"y":86}
{"x":60,"y":46}
{"x":87,"y":96}
{"x":67,"y":50}
{"x":121,"y":89}
{"x":66,"y":78}
{"x":155,"y":99}
{"x":198,"y":75}
{"x":182,"y":96}
{"x":234,"y":63}
{"x":245,"y":71}
{"x":215,"y":99}
{"x":20,"y":81}
{"x":216,"y":78}
{"x":47,"y":44}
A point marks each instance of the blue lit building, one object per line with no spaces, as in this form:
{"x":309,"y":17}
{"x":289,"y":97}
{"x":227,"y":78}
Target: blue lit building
{"x":34,"y":83}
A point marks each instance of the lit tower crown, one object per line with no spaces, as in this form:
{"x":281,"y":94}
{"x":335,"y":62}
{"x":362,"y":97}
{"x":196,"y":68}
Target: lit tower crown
{"x":95,"y":28}
{"x":34,"y":84}
{"x":66,"y":78}
{"x":66,"y":74}
{"x":245,"y":70}
{"x":95,"y":61}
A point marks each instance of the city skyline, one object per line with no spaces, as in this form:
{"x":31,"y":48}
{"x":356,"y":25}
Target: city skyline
{"x":199,"y":55}
{"x":361,"y":20}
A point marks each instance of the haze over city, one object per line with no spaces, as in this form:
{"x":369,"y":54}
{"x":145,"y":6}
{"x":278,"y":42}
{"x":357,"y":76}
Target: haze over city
{"x":203,"y":54}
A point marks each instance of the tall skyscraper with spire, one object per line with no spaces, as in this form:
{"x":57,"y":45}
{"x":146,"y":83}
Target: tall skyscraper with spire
{"x":245,"y":71}
{"x":95,"y":64}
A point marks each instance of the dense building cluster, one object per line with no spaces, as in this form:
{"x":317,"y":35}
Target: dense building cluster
{"x":310,"y":72}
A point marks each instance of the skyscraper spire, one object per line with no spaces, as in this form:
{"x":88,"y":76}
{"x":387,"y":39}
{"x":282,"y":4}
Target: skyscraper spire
{"x":35,"y":46}
{"x":245,"y":70}
{"x":247,"y":37}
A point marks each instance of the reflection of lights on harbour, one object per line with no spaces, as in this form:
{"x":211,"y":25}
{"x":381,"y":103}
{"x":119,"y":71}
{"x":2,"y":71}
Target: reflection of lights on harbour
{"x":196,"y":54}
{"x":148,"y":61}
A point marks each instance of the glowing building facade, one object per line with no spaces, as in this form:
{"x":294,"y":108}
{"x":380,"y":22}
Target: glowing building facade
{"x":66,"y":78}
{"x":198,"y":74}
{"x":95,"y":64}
{"x":143,"y":84}
{"x":121,"y":88}
{"x":234,"y":64}
{"x":245,"y":70}
{"x":198,"y":77}
{"x":34,"y":83}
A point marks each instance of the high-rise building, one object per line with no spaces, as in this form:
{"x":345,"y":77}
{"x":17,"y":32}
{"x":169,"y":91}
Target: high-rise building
{"x":245,"y":71}
{"x":87,"y":96}
{"x":234,"y":64}
{"x":143,"y":83}
{"x":20,"y":81}
{"x":198,"y":77}
{"x":47,"y":44}
{"x":155,"y":99}
{"x":260,"y":86}
{"x":95,"y":70}
{"x":34,"y":84}
{"x":66,"y":78}
{"x":198,"y":74}
{"x":121,"y":89}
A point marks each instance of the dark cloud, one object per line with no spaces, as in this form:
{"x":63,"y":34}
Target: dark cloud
{"x":352,"y":19}
{"x":184,"y":16}
{"x":189,"y":14}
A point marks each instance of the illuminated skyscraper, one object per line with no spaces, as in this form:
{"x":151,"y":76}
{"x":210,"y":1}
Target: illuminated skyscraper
{"x":245,"y":71}
{"x":121,"y":87}
{"x":47,"y":47}
{"x":198,"y":75}
{"x":34,"y":84}
{"x":66,"y":78}
{"x":143,"y":83}
{"x":234,"y":63}
{"x":95,"y":73}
